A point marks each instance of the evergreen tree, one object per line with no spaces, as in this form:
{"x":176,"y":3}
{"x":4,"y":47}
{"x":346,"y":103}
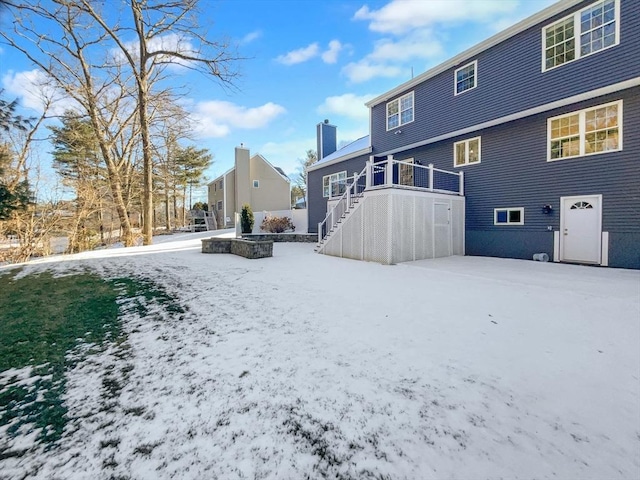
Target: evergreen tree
{"x":14,"y":192}
{"x":77,"y":159}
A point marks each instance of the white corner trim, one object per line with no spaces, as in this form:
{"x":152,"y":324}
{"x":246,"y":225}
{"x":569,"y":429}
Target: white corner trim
{"x":604,"y":256}
{"x":556,"y":246}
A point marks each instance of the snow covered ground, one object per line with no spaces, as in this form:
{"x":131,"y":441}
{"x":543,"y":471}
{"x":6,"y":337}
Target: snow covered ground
{"x":308,"y":366}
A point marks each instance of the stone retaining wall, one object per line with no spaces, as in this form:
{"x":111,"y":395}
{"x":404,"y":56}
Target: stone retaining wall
{"x":237,"y":246}
{"x":216,"y":245}
{"x":283,"y":237}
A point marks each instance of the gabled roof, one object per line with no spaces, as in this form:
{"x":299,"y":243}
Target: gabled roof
{"x":500,"y":37}
{"x":221,"y":176}
{"x":277,"y":169}
{"x":353,"y":149}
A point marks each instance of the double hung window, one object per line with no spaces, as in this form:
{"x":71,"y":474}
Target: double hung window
{"x":465,"y":77}
{"x":587,"y":31}
{"x":400,"y":111}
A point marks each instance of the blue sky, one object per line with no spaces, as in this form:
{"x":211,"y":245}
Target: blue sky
{"x":307,"y":60}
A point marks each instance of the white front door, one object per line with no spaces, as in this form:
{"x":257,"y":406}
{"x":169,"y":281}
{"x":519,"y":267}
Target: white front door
{"x":581,"y":229}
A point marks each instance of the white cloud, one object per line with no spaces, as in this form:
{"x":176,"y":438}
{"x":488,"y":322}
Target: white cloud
{"x":419,"y":44}
{"x":34,"y":91}
{"x":251,"y":36}
{"x":364,"y":70}
{"x":286,"y":154}
{"x":347,"y":105}
{"x":331,"y":54}
{"x":400,"y":16}
{"x":216,"y":118}
{"x":300,"y":55}
{"x":391,"y":56}
{"x":414,"y":31}
{"x":170,"y":43}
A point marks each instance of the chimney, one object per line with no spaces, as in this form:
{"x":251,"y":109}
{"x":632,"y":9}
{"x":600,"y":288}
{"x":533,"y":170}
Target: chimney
{"x":326,"y":138}
{"x":242,"y":176}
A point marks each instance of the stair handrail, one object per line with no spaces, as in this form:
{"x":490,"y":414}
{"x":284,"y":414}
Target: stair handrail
{"x":345,"y":202}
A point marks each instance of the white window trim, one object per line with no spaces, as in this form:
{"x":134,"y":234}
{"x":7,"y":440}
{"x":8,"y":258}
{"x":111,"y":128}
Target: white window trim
{"x":582,"y":131}
{"x":577,"y":32}
{"x":508,"y":209}
{"x":466,"y":152}
{"x":475,"y":78}
{"x":256,"y":184}
{"x":399,"y":100}
{"x":332,"y":181}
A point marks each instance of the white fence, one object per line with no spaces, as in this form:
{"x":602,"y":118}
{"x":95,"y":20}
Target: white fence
{"x":298,"y":217}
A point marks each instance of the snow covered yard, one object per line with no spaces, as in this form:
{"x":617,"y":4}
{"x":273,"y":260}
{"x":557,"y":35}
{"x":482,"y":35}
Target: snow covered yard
{"x":308,"y":366}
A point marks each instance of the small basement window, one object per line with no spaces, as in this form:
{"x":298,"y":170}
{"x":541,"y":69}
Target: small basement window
{"x":508,"y":216}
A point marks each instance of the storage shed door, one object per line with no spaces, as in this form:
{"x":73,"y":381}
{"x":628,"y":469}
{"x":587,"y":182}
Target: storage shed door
{"x":441,"y":230}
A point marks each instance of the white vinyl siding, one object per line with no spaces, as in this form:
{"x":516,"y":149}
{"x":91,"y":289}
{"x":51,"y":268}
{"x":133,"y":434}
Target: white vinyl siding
{"x":586,"y":31}
{"x":585,"y":132}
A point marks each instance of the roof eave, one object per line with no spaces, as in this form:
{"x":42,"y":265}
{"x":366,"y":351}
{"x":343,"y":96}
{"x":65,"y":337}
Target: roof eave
{"x":318,"y":166}
{"x":500,"y":37}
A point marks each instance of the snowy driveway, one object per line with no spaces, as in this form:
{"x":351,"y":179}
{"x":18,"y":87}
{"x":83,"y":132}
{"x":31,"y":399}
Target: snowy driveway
{"x":308,"y":366}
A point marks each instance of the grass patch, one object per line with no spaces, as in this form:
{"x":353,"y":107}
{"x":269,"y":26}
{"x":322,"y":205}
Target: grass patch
{"x":42,"y":319}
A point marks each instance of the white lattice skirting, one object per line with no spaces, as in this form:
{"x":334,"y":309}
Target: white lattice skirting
{"x":392,"y":225}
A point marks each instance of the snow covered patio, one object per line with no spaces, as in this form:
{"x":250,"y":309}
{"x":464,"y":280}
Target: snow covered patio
{"x":310,"y":366}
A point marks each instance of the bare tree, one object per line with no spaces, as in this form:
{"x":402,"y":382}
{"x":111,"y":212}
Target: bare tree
{"x":167,"y":33}
{"x":64,"y":56}
{"x":87,"y":56}
{"x":301,"y":177}
{"x":28,"y":221}
{"x":170,"y":124}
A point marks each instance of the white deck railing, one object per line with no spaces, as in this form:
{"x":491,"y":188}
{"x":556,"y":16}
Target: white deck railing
{"x":390,"y":174}
{"x":352,"y":192}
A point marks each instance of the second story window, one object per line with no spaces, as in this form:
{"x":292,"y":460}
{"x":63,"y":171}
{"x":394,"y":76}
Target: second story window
{"x":400,"y":111}
{"x":587,"y":31}
{"x":465,"y":77}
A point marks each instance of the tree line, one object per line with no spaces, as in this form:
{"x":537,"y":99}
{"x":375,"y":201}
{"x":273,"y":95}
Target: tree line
{"x":123,"y":142}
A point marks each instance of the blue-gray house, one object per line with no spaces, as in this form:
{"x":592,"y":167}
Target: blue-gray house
{"x":527,"y":143}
